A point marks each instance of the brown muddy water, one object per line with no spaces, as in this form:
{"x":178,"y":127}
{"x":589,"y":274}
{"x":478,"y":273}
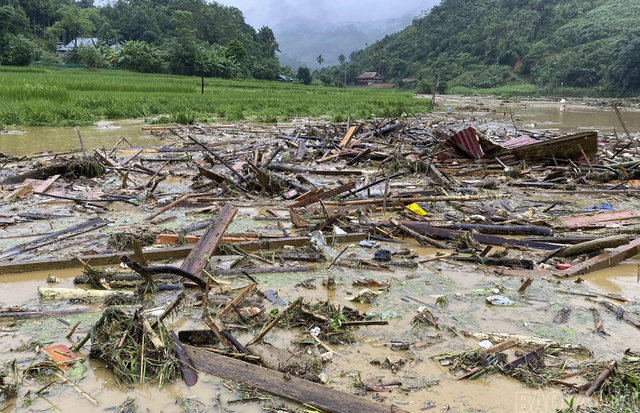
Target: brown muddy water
{"x":105,"y":134}
{"x":542,"y":115}
{"x":530,"y":115}
{"x":432,"y":385}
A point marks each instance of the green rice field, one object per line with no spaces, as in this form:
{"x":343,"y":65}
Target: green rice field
{"x":42,"y":96}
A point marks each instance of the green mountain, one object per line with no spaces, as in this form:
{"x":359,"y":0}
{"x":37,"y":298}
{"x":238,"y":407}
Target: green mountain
{"x":485,"y":43}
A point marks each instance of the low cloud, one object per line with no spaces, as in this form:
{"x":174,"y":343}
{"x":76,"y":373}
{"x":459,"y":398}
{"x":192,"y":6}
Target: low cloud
{"x":271,"y":12}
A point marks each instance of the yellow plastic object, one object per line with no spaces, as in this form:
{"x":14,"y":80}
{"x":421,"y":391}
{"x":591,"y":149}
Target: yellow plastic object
{"x":416,"y":208}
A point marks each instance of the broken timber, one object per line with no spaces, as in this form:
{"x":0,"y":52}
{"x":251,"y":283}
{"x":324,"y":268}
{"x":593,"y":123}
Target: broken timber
{"x":196,"y":261}
{"x":58,"y":236}
{"x":156,"y":254}
{"x":602,"y":261}
{"x":324,"y":195}
{"x":293,"y":388}
{"x":438,"y":232}
{"x":296,"y":169}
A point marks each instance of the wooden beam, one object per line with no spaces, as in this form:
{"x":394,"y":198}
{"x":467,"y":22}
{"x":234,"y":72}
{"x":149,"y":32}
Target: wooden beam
{"x":602,"y":261}
{"x":43,"y":186}
{"x":196,"y":261}
{"x":599,"y":220}
{"x":158,"y":254}
{"x":330,"y":172}
{"x":294,"y":388}
{"x":324,"y":195}
{"x":344,"y":143}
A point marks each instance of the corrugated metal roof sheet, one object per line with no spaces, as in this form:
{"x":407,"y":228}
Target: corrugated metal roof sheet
{"x":467,"y":141}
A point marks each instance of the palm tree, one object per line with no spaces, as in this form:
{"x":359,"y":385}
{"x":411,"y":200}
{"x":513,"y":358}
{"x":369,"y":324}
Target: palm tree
{"x":342,"y":59}
{"x":320,"y":59}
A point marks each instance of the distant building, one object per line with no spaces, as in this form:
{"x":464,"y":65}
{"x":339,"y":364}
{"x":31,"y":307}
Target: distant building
{"x":283,"y":78}
{"x":87,"y":41}
{"x":369,"y":78}
{"x":410,"y":81}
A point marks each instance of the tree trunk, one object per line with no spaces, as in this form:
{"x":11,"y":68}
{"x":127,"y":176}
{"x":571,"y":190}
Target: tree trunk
{"x":202,"y":77}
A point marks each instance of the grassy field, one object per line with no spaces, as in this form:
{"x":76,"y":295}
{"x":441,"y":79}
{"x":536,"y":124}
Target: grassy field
{"x":38,"y":96}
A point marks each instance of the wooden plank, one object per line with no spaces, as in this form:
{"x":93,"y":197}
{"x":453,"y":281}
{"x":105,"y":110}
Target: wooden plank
{"x":236,"y":301}
{"x":602,"y":220}
{"x":602,"y":261}
{"x":359,"y":157}
{"x":215,"y":177}
{"x":294,"y":388}
{"x":344,"y":143}
{"x":44,"y":185}
{"x":330,"y":172}
{"x":324,"y":195}
{"x":196,"y":261}
{"x":158,"y":254}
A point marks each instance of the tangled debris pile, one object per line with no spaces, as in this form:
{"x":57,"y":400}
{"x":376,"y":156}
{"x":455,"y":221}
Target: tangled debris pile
{"x":527,"y":208}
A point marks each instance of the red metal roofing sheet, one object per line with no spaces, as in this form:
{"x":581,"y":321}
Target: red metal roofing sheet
{"x":467,"y":141}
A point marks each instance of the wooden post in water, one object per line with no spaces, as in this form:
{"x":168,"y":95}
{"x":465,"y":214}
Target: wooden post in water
{"x":82,"y":144}
{"x":625,"y":128}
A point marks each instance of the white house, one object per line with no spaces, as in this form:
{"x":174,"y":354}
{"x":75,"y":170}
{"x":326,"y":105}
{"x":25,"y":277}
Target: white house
{"x":87,"y":41}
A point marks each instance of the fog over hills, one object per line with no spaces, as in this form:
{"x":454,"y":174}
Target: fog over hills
{"x":301,"y":40}
{"x":305,"y":29}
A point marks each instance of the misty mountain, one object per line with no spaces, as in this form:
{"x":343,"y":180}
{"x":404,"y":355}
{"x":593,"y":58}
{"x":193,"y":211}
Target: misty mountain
{"x":301,"y":40}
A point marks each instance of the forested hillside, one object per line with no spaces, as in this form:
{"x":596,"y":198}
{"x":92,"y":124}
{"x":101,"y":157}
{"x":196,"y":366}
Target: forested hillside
{"x":485,"y":43}
{"x":162,"y":36}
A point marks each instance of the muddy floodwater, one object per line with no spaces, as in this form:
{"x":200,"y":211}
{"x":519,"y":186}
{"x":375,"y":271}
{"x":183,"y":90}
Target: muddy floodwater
{"x":530,"y":115}
{"x":105,"y":134}
{"x":416,"y":355}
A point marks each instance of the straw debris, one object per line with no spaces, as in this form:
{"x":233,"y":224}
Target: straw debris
{"x":126,"y":347}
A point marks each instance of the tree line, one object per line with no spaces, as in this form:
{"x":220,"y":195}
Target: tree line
{"x":591,"y":44}
{"x":186,"y":37}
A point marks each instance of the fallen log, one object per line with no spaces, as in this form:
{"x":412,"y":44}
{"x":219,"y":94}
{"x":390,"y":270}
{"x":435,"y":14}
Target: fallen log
{"x":421,"y":238}
{"x":606,"y":372}
{"x":443,"y":233}
{"x":293,"y":388}
{"x":504,"y":229}
{"x":595,"y":245}
{"x":602,"y":261}
{"x":620,"y":313}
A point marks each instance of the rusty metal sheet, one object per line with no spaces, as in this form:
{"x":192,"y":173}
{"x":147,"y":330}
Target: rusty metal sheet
{"x":467,"y":141}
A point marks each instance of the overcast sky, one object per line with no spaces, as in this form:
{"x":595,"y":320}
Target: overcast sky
{"x":271,"y":12}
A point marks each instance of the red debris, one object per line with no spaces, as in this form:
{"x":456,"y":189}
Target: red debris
{"x":467,"y":141}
